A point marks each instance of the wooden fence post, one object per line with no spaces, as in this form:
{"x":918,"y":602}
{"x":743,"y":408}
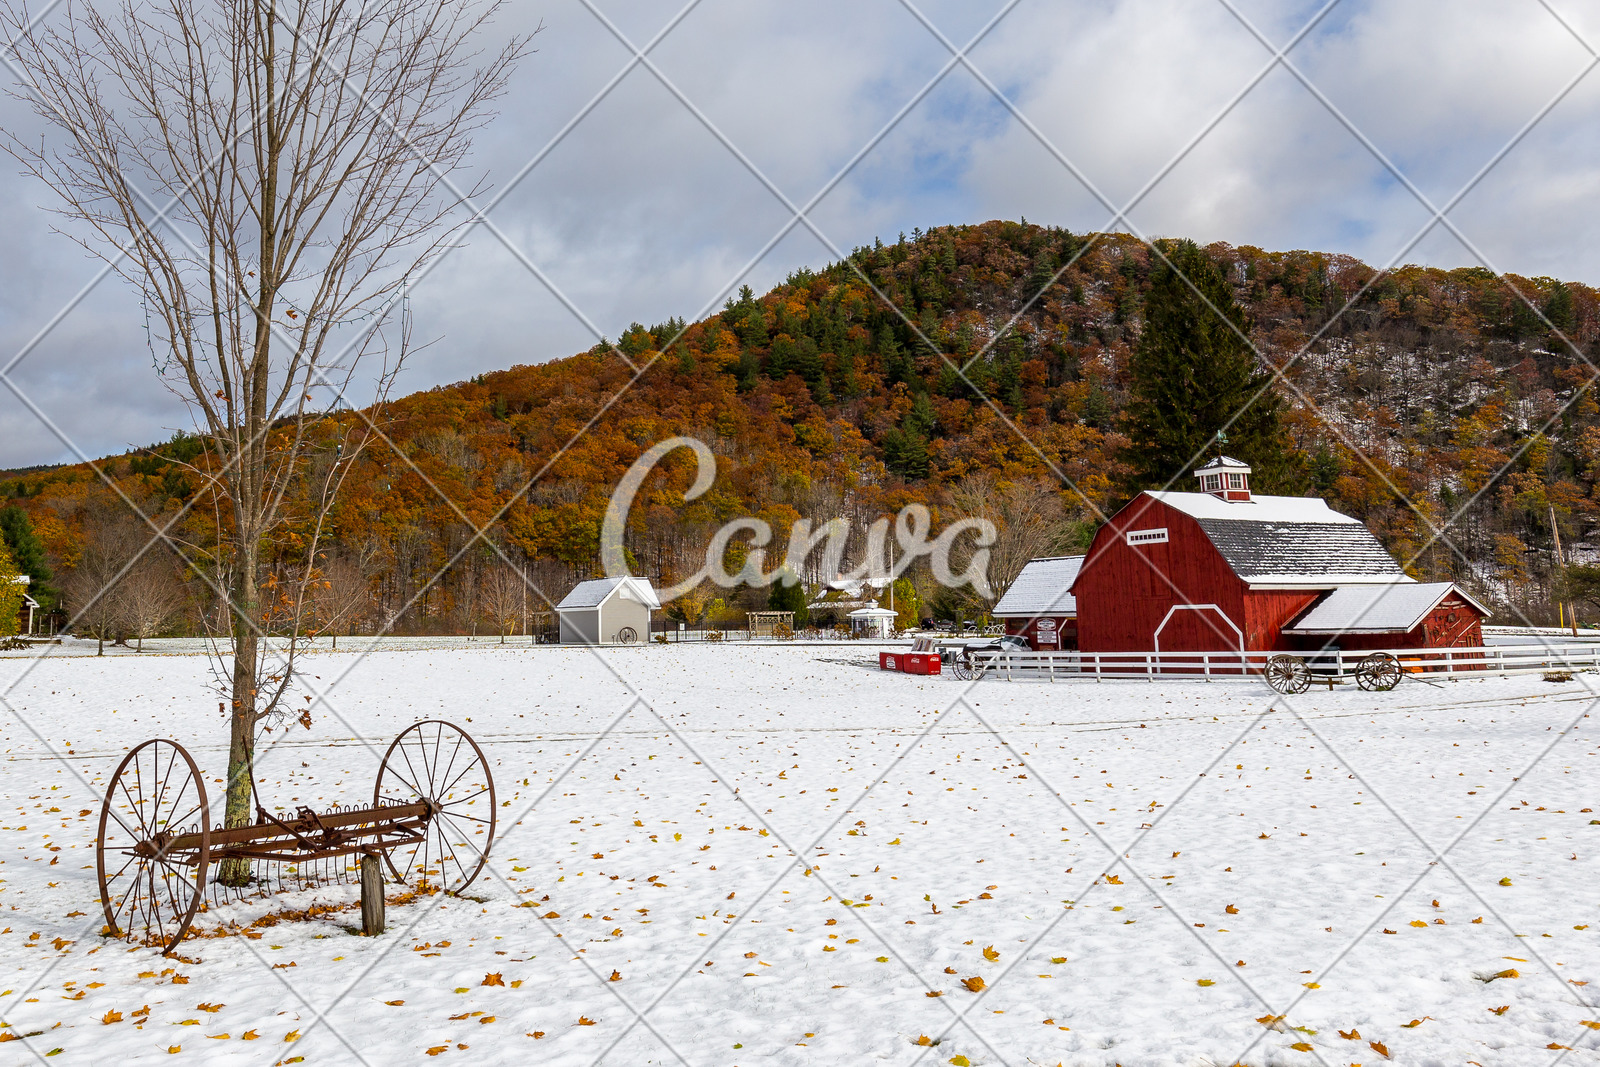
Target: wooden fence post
{"x":371,"y":896}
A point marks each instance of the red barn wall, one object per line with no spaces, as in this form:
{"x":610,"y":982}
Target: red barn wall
{"x":1059,"y":632}
{"x":1122,"y":597}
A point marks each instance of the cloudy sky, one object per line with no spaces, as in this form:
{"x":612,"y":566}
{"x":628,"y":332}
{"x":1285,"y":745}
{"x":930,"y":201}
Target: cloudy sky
{"x":643,"y":210}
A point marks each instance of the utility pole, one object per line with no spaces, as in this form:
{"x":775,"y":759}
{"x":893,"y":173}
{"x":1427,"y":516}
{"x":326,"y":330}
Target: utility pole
{"x":1564,"y":611}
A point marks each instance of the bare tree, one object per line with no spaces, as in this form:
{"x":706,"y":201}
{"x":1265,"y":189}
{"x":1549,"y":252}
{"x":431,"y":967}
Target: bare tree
{"x":501,"y":597}
{"x":1030,"y":521}
{"x":341,"y":596}
{"x":148,"y":596}
{"x":270,"y":176}
{"x":93,"y":584}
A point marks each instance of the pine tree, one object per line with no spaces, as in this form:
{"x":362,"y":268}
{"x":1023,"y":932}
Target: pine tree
{"x":788,"y":593}
{"x":1193,"y":377}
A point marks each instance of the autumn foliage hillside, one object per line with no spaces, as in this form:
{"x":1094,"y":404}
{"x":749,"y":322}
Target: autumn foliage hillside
{"x":1435,"y":392}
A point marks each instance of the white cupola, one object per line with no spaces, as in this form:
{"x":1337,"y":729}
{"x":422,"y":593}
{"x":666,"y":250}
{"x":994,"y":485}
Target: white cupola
{"x":1226,"y":479}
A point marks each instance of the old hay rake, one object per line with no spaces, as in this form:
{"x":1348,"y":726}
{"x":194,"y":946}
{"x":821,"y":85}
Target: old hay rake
{"x":157,"y":844}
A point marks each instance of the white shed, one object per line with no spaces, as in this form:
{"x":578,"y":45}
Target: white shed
{"x":607,"y":611}
{"x":872,"y":622}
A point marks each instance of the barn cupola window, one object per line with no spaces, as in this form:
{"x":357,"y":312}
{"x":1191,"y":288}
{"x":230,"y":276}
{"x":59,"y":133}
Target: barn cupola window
{"x":1226,"y":479}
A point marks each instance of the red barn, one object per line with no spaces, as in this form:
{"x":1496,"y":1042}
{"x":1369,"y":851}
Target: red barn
{"x":1038,"y":606}
{"x":1225,"y":570}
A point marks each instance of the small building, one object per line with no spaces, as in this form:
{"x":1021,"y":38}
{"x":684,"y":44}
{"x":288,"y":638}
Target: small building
{"x":607,"y":611}
{"x":1225,"y":570}
{"x":1039,"y":604}
{"x":872,"y":622}
{"x":29,"y":606}
{"x":765,"y":623}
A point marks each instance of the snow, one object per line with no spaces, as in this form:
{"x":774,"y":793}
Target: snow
{"x":1368,"y":609}
{"x":1041,"y":588}
{"x":1282,"y":847}
{"x":593,"y":593}
{"x":1275,"y":509}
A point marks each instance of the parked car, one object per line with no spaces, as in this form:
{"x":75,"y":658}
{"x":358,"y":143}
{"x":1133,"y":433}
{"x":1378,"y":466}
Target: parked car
{"x":998,"y":643}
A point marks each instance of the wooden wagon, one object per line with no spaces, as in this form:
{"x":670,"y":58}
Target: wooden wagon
{"x":1290,"y":674}
{"x":157,"y":846}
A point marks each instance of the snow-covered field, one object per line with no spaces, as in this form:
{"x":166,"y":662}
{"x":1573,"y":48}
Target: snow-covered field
{"x":1261,"y":863}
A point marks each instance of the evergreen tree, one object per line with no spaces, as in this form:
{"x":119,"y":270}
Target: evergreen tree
{"x":27,"y":552}
{"x":1192,"y":376}
{"x":788,"y":593}
{"x":906,"y":453}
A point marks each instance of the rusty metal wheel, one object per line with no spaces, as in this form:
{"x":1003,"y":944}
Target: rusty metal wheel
{"x":435,"y":762}
{"x":1288,"y":674}
{"x":154,"y":845}
{"x":1378,"y":673}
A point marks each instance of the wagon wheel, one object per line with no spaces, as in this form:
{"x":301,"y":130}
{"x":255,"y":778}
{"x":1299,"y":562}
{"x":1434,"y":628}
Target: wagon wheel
{"x":150,"y":890}
{"x":1378,"y":673}
{"x":961,"y":668}
{"x":1288,"y":674}
{"x":437,"y":763}
{"x":627,"y":635}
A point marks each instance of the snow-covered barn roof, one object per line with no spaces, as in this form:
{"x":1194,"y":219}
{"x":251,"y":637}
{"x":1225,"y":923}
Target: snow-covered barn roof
{"x":592,"y":594}
{"x":1375,"y":609}
{"x":1289,"y":541}
{"x":1042,"y":588}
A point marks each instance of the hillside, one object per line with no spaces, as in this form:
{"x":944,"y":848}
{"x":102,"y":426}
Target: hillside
{"x":821,"y":402}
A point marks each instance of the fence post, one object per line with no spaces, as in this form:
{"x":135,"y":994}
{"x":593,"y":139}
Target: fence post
{"x":371,"y":896}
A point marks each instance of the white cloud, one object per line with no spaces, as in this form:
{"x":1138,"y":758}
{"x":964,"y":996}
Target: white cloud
{"x":640,"y":213}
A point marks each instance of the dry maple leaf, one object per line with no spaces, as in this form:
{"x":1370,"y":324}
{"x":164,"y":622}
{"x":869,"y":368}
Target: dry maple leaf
{"x":990,"y":954}
{"x":584,"y":1020}
{"x":249,"y":1035}
{"x":536,"y":1034}
{"x":616,"y":976}
{"x":1379,"y":1047}
{"x":923,"y":1039}
{"x":292,"y":1035}
{"x":213,"y":1008}
{"x":935,"y":993}
{"x":976,"y":983}
{"x":1350,"y":1035}
{"x":1231,"y":910}
{"x":493,"y":979}
{"x":1301,"y":1046}
{"x":1501,"y":1010}
{"x":949,"y":970}
{"x":435,"y":1050}
{"x":394,"y":1003}
{"x":111,"y":1017}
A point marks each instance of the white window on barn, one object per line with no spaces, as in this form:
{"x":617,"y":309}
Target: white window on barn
{"x":1213,"y":482}
{"x":1147,"y":537}
{"x":1235,"y":481}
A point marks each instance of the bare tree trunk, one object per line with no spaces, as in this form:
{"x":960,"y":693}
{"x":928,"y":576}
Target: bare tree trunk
{"x":262,"y":174}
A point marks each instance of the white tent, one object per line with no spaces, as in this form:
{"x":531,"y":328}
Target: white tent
{"x":607,"y":611}
{"x":872,"y":622}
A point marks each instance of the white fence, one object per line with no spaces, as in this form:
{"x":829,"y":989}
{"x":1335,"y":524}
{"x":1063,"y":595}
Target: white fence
{"x":1325,"y":665}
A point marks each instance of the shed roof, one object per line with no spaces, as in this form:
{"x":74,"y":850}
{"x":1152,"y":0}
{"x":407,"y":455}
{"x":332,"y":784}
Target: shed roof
{"x":1042,"y":587}
{"x":593,"y":593}
{"x":1289,"y":541}
{"x":872,"y":613}
{"x":1375,"y":609}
